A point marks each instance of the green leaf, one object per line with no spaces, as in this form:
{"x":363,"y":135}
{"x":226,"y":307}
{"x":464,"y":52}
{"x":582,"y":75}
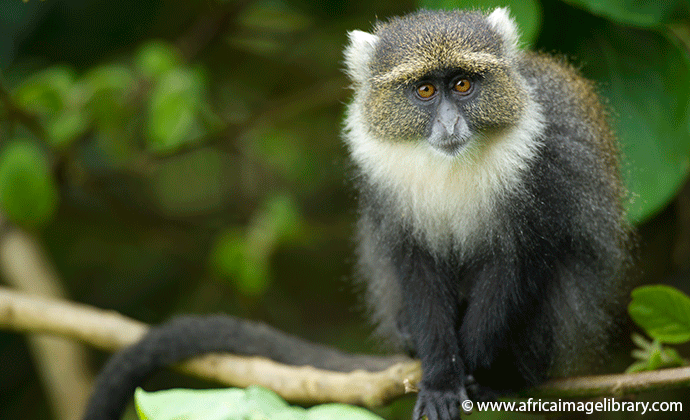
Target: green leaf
{"x":663,"y":312}
{"x":647,"y":80}
{"x":244,"y":257}
{"x":109,"y":88}
{"x":634,"y":12}
{"x":282,"y":216}
{"x":267,"y":401}
{"x":652,"y":355}
{"x":340,"y":411}
{"x":28,"y":193}
{"x":527,"y":13}
{"x":156,"y":58}
{"x":54,"y":96}
{"x":45,"y":92}
{"x":110,"y":78}
{"x":63,"y":129}
{"x":644,"y":80}
{"x":248,"y":269}
{"x":174,"y":404}
{"x":637,"y":367}
{"x":174,"y":110}
{"x":253,"y":403}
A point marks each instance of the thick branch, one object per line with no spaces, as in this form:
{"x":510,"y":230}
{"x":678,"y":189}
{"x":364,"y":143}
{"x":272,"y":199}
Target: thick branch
{"x":108,"y":330}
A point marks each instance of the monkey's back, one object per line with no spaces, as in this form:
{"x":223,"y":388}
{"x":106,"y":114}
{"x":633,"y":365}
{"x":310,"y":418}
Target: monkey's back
{"x":578,"y":171}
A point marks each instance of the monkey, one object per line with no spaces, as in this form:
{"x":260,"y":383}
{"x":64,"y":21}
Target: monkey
{"x":492,"y":237}
{"x":492,"y":232}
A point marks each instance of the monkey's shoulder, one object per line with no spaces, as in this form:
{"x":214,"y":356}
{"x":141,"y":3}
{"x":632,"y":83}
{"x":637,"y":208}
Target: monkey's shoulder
{"x":563,"y":90}
{"x":571,"y":104}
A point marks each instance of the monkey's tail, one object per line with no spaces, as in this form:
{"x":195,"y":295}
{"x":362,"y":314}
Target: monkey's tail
{"x":188,"y":336}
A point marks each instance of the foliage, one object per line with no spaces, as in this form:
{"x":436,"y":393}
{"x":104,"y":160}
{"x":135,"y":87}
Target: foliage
{"x":236,"y":404}
{"x":28,"y":193}
{"x":664,"y":314}
{"x":243,"y":256}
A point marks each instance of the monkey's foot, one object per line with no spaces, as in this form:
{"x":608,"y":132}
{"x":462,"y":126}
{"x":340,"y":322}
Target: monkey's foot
{"x":439,"y":404}
{"x":478,"y":392}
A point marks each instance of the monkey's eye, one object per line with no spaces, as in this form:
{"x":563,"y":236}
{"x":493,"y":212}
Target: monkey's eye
{"x":425,"y":91}
{"x":463,"y":86}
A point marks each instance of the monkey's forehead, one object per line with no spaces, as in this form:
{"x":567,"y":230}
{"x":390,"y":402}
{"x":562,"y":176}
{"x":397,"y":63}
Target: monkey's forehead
{"x":415,"y":45}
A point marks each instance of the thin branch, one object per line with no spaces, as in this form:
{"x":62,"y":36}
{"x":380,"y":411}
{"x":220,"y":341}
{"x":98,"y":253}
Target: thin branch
{"x":208,"y":27}
{"x":111,"y":331}
{"x":615,"y":384}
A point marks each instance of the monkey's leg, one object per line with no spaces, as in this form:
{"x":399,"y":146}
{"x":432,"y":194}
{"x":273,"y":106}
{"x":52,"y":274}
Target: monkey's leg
{"x":430,"y":303}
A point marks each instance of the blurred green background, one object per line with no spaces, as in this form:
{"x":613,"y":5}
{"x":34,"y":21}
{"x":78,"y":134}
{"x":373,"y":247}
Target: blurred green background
{"x":185,"y":156}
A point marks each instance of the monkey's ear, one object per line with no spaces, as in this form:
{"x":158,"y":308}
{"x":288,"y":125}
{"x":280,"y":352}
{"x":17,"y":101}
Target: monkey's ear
{"x":358,"y":54}
{"x":502,"y":23}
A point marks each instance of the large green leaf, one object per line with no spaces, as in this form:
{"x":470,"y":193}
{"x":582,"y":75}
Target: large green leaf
{"x":253,"y":403}
{"x":663,"y":312}
{"x":527,"y":13}
{"x":645,"y":81}
{"x":28,"y":192}
{"x":635,"y":12}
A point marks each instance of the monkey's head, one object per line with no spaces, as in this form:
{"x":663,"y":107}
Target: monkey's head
{"x":444,"y":79}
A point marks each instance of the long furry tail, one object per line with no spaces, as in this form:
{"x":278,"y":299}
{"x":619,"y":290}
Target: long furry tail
{"x":189,"y":336}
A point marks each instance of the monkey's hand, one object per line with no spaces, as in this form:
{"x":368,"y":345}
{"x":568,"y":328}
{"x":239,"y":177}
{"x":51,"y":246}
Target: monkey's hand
{"x":439,"y":404}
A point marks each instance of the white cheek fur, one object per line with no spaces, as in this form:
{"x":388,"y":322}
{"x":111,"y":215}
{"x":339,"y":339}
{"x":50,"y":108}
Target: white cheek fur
{"x":446,"y":200}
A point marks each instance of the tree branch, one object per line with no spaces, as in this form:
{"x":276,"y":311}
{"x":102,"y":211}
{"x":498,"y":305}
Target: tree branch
{"x":108,"y":330}
{"x":61,"y":364}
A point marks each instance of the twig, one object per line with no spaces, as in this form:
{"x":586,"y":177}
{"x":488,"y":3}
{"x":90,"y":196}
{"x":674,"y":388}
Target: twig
{"x":614,"y":385}
{"x":208,"y":27}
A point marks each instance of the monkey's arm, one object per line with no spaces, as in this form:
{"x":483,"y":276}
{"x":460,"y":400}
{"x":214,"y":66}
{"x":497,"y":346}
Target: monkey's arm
{"x":430,"y":311}
{"x":188,"y":336}
{"x":506,"y":329}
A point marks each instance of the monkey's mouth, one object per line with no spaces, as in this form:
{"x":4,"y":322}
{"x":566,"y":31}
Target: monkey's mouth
{"x":449,"y":145}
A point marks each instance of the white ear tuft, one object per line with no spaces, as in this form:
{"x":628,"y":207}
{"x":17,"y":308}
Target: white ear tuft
{"x":358,"y":54}
{"x":502,"y":23}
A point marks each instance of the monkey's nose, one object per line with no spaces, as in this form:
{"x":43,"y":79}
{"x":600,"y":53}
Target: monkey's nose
{"x":447,"y":117}
{"x":449,"y":126}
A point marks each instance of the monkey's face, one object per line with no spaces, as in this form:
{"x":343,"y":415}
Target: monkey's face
{"x":447,"y":79}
